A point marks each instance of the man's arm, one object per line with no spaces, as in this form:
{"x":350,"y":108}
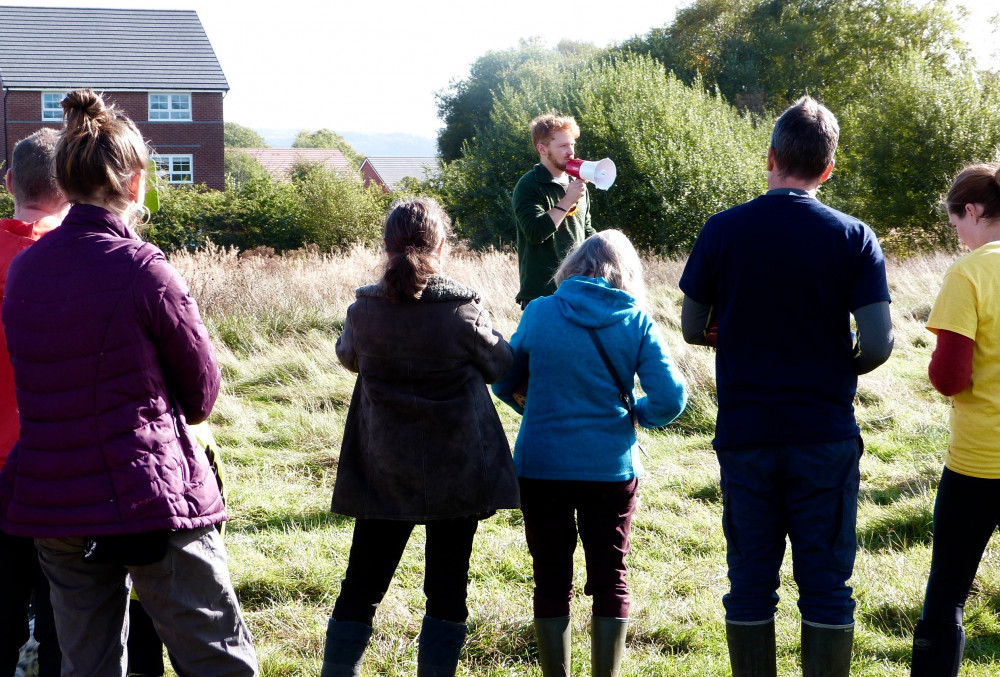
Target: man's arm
{"x":535,"y":218}
{"x":874,"y":336}
{"x":695,"y":318}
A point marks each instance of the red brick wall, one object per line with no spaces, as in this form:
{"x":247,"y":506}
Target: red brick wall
{"x":369,"y":174}
{"x":201,"y":138}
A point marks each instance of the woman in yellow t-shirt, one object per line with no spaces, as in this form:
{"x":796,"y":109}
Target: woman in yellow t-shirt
{"x":965,"y":366}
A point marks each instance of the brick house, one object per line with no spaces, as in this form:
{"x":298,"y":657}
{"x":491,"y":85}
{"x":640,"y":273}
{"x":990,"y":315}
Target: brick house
{"x":156,"y":65}
{"x":388,"y":172}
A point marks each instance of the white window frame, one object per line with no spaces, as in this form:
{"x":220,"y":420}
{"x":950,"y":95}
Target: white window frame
{"x":167,"y":169}
{"x":177,"y":107}
{"x":52,"y":113}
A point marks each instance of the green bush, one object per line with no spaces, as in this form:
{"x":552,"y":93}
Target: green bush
{"x":682,"y":154}
{"x":337,"y":211}
{"x":316,"y":207}
{"x":185,"y":218}
{"x":476,"y":188}
{"x":902,"y":145}
{"x":6,"y":203}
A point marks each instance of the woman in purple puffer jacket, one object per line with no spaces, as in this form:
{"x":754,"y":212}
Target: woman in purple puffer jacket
{"x":111,"y":361}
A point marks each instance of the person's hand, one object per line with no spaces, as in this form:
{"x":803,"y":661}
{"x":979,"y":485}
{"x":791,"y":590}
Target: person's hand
{"x":575,"y":190}
{"x":712,"y":333}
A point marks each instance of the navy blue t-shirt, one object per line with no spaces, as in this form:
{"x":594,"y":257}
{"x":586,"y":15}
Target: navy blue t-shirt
{"x":784,"y":272}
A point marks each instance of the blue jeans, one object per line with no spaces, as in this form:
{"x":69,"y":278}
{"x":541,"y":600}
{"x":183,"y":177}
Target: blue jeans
{"x":808,"y":493}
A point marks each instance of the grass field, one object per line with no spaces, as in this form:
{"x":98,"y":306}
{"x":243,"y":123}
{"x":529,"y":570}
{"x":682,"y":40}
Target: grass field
{"x":279,"y":423}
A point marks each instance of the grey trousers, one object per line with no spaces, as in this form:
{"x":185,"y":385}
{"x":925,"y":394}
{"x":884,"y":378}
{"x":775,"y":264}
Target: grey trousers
{"x":188,"y":595}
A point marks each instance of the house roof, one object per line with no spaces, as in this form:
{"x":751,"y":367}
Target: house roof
{"x":106,"y":49}
{"x":280,"y":161}
{"x":392,"y":170}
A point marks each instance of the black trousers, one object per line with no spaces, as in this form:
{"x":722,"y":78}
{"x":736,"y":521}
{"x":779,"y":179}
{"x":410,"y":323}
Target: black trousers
{"x":375,"y":553}
{"x":20,"y":576}
{"x":966,"y":513}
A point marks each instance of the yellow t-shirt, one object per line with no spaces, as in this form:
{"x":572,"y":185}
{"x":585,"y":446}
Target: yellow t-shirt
{"x":969,"y":304}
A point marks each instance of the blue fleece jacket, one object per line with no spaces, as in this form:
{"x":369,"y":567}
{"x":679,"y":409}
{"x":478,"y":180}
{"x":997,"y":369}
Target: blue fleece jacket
{"x":574,"y":426}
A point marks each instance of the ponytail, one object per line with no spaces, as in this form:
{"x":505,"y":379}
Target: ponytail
{"x":413,"y":232}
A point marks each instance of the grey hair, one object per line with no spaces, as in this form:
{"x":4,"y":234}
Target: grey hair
{"x":610,"y":255}
{"x":33,"y":171}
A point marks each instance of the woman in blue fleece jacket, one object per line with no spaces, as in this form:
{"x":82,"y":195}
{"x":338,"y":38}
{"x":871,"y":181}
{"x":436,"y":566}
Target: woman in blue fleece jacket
{"x":576,"y":454}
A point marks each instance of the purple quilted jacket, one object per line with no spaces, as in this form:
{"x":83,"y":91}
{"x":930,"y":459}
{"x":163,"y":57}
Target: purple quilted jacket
{"x":109,"y":353}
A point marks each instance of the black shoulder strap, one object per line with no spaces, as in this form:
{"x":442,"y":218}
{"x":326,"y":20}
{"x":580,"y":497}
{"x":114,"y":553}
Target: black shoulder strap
{"x":624,"y":394}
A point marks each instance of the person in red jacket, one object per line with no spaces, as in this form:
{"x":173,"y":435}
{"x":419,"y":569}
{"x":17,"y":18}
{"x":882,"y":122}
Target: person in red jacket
{"x":39,"y":206}
{"x":113,"y":366}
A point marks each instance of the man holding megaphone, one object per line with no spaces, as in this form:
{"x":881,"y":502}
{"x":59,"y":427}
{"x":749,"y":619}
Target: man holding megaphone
{"x":552,"y":210}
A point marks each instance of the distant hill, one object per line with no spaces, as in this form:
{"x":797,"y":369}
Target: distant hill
{"x":377,"y":145}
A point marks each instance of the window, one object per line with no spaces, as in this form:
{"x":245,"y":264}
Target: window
{"x":175,"y":168}
{"x":170,"y":106}
{"x":51,"y":110}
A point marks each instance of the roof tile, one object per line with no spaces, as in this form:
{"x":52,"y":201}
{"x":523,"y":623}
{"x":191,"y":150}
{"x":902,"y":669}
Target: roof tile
{"x":392,"y":170}
{"x":114,"y":49}
{"x":280,"y":161}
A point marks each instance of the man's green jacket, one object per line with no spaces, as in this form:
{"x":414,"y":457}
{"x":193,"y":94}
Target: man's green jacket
{"x":540,"y":245}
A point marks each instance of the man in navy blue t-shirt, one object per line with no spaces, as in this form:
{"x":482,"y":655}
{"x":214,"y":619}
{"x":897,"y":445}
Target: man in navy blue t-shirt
{"x":773,"y":283}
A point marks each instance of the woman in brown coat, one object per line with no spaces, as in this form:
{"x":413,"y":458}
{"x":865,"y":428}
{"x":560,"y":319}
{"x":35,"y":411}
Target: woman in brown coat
{"x":423,"y":443}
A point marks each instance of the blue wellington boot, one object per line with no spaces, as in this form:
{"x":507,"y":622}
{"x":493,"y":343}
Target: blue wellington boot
{"x":346,"y":642}
{"x":438,"y":647}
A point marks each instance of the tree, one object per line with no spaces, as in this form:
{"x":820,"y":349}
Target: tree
{"x":902,"y":145}
{"x":241,"y":168}
{"x":763,"y":54}
{"x":465,"y":106}
{"x":238,"y":136}
{"x":324,"y":138}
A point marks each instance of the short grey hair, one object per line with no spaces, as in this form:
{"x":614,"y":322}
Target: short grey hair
{"x":32,"y":169}
{"x":610,"y":255}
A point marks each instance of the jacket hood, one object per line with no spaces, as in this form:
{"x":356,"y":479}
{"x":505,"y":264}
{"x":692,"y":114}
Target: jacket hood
{"x":592,"y":302}
{"x":439,"y":288}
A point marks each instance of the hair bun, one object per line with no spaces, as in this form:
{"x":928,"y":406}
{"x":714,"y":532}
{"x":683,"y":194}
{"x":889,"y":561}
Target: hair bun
{"x":84,"y":100}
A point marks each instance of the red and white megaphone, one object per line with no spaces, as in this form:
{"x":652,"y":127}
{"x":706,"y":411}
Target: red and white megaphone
{"x":601,"y":173}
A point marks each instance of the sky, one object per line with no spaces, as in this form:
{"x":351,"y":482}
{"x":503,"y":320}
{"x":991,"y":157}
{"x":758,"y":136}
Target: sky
{"x":362,"y":68}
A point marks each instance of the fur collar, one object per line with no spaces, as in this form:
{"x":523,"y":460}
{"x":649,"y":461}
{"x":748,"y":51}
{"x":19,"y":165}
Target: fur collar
{"x":439,"y":288}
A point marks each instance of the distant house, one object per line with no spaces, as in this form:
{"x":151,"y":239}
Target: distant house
{"x":280,"y":161}
{"x":389,"y":172}
{"x":156,"y":65}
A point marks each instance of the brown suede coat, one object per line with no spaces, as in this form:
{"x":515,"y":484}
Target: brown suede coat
{"x":423,"y":440}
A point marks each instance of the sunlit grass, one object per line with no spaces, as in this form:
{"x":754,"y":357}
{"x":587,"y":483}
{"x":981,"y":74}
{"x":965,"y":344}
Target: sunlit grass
{"x":280,"y":419}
